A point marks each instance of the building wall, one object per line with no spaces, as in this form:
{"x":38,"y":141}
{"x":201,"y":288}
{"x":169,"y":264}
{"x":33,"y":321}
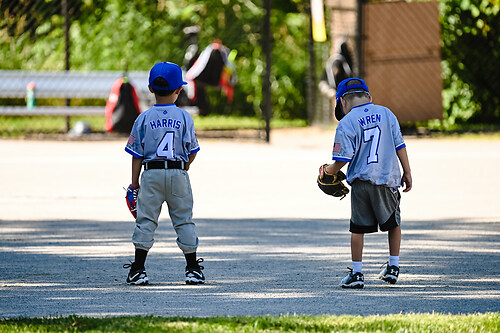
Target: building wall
{"x":400,"y":53}
{"x":402,"y":58}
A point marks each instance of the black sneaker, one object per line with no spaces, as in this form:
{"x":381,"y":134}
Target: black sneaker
{"x":194,"y":275}
{"x":136,"y":276}
{"x":389,"y":273}
{"x":353,"y":280}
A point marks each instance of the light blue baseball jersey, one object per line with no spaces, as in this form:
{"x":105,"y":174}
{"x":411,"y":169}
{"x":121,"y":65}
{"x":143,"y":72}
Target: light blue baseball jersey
{"x":163,"y":132}
{"x":368,"y":137}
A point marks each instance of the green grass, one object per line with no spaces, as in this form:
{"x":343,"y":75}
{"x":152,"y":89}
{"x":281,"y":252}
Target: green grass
{"x":15,"y":126}
{"x":19,"y":126}
{"x":234,"y":123}
{"x":488,"y":322}
{"x":440,"y":128}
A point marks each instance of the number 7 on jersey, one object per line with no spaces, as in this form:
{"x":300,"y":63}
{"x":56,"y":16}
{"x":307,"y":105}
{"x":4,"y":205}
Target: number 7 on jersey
{"x":372,"y":135}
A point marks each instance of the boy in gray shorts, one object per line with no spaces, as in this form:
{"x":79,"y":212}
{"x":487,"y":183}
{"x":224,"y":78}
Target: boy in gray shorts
{"x":368,"y":137}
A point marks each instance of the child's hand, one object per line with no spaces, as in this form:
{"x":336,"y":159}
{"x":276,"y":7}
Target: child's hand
{"x":329,"y":169}
{"x":406,"y":181}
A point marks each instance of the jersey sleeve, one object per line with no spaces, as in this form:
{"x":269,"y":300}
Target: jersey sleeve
{"x":344,"y":144}
{"x":399,"y":142}
{"x":191,"y":140}
{"x":134,"y":144}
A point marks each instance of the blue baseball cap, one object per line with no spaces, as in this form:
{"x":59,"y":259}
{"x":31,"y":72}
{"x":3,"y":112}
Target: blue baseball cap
{"x":342,"y":90}
{"x":171,"y":72}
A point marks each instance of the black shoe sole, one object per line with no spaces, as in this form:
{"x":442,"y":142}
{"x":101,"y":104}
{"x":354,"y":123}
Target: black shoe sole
{"x":390,"y":281}
{"x":132,"y":283}
{"x":194,"y":283}
{"x":359,"y":286}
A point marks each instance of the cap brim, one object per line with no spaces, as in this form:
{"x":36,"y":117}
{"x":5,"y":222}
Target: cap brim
{"x":339,"y":114}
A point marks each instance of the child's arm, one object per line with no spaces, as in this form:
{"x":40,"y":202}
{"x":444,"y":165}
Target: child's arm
{"x":191,"y":159}
{"x":405,"y":163}
{"x":332,"y":169}
{"x":136,"y":171}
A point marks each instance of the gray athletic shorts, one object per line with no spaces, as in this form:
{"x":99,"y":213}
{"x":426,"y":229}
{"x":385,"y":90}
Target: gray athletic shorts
{"x":373,"y":206}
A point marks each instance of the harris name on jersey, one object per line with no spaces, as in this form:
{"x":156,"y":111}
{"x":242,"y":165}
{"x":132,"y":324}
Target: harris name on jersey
{"x":165,"y":123}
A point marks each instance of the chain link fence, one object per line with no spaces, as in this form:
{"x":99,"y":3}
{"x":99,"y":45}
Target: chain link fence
{"x":431,"y":62}
{"x":33,"y":100}
{"x":446,"y":68}
{"x":59,"y":58}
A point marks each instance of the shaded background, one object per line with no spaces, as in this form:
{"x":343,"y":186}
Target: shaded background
{"x":118,"y":35}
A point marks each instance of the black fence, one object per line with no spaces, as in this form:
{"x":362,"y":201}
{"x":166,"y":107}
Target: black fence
{"x":42,"y":38}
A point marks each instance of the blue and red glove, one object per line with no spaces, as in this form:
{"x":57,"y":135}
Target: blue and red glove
{"x":131,"y":199}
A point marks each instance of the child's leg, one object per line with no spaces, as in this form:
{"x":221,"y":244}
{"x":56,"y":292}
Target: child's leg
{"x":390,"y":273}
{"x":191,"y":260}
{"x":149,"y":202}
{"x":355,"y":278}
{"x":394,"y":237}
{"x":140,"y":258}
{"x":394,"y":241}
{"x":357,"y":241}
{"x":179,"y":198}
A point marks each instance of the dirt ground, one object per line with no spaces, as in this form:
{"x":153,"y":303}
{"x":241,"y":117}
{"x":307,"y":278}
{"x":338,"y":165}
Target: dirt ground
{"x":272,"y":242}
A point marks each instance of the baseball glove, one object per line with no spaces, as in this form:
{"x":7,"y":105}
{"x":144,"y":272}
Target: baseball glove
{"x":131,"y":199}
{"x":332,"y":184}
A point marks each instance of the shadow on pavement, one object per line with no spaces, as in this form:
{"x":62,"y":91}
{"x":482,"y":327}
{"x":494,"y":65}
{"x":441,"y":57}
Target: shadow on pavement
{"x":253,"y":267}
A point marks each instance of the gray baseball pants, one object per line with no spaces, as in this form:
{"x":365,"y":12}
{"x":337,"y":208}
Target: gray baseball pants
{"x":173,"y":187}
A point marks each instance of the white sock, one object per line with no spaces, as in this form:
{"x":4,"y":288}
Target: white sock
{"x":356,"y":266}
{"x":394,"y":261}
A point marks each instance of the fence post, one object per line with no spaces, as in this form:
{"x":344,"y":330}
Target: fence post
{"x":65,"y":12}
{"x":359,"y":38}
{"x":311,"y":77}
{"x":266,"y":80}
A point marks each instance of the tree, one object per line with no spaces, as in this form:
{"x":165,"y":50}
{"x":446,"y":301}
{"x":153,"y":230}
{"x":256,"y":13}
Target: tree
{"x":133,"y":35}
{"x":471,"y":35}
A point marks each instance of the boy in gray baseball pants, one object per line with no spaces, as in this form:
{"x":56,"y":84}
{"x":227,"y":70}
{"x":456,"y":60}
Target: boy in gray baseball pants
{"x":163,"y":141}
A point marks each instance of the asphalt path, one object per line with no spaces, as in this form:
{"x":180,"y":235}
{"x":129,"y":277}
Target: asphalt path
{"x":272,"y":242}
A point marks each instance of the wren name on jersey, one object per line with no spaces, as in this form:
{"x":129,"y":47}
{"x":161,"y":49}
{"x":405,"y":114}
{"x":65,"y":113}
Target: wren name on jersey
{"x":165,"y":122}
{"x":371,"y":119}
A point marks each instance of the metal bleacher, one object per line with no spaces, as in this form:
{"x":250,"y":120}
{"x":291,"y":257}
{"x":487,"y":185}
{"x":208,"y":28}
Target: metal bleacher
{"x":68,"y":85}
{"x":65,"y":85}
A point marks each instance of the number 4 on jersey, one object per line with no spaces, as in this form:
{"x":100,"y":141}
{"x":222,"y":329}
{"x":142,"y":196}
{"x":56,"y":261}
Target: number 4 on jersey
{"x":372,"y":135}
{"x":166,"y":146}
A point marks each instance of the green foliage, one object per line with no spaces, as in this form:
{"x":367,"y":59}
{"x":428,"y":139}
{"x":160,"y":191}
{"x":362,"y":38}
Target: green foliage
{"x":290,"y":54}
{"x":471,"y":35}
{"x":488,"y":322}
{"x":133,"y":35}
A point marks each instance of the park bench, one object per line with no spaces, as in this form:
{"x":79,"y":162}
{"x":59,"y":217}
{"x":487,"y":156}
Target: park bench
{"x":68,"y":85}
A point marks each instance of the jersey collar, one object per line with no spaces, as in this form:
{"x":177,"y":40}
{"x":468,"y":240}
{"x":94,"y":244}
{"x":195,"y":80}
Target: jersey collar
{"x":357,"y":106}
{"x":171,"y":104}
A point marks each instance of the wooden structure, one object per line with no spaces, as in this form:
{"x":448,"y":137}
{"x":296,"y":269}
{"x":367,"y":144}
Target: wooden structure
{"x":398,"y":48}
